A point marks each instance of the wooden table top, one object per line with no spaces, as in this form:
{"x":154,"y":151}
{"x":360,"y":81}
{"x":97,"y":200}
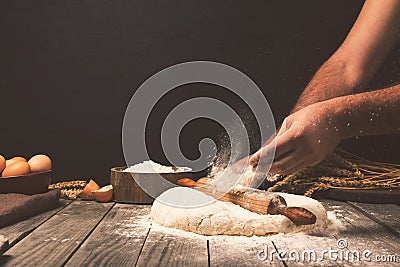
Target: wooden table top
{"x":86,"y":233}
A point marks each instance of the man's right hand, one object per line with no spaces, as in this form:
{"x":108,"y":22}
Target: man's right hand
{"x":306,"y":137}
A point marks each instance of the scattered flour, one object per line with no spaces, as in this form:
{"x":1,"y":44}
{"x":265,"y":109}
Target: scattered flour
{"x":133,"y":226}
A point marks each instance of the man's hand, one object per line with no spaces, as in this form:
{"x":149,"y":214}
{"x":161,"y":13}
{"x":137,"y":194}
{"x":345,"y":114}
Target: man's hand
{"x":305,"y":138}
{"x":317,"y":123}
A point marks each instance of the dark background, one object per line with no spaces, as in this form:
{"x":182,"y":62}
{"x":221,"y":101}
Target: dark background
{"x":69,"y":68}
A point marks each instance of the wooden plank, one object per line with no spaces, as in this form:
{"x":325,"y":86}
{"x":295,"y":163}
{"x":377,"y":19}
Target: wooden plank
{"x":363,"y":234}
{"x":299,"y":249}
{"x":52,"y":243}
{"x":386,"y":214}
{"x":242,"y":251}
{"x":167,"y":247}
{"x":19,"y":230}
{"x":117,"y":240}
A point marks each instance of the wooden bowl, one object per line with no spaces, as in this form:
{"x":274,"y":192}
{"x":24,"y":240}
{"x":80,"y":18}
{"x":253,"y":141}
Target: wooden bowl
{"x":29,"y":184}
{"x":127,"y":190}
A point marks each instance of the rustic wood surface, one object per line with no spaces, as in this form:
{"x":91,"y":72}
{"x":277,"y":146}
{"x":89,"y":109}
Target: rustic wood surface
{"x":388,"y":215}
{"x":243,"y":252}
{"x":117,"y":240}
{"x":87,"y":233}
{"x":173,"y":250}
{"x":21,"y":229}
{"x":52,"y":243}
{"x":362,"y":234}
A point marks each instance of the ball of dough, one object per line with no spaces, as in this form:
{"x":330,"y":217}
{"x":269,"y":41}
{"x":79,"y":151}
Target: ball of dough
{"x":193,"y":211}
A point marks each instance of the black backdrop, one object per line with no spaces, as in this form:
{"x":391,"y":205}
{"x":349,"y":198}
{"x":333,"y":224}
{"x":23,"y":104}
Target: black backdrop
{"x":69,"y":68}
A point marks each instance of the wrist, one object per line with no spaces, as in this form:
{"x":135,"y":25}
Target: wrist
{"x":338,"y":118}
{"x":344,"y":117}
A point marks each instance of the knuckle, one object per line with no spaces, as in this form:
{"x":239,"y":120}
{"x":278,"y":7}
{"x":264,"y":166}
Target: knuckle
{"x":299,"y":135}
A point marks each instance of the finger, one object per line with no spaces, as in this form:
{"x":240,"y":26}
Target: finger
{"x":300,"y":166}
{"x":283,"y":128}
{"x":304,"y":163}
{"x":254,"y":159}
{"x":264,"y":164}
{"x":240,"y":165}
{"x":287,"y":163}
{"x":281,"y":143}
{"x":272,"y":137}
{"x":284,"y":144}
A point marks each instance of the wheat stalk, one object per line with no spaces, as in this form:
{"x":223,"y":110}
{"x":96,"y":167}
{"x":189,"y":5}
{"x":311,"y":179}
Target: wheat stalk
{"x":340,"y":169}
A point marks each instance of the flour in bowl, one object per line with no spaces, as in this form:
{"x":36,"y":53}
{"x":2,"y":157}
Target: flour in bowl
{"x":150,"y":166}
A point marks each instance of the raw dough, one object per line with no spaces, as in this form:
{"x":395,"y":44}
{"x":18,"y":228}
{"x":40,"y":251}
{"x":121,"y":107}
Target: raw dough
{"x":225,"y":218}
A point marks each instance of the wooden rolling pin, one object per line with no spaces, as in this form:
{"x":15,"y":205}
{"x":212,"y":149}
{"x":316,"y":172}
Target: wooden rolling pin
{"x":254,"y":200}
{"x":4,"y":245}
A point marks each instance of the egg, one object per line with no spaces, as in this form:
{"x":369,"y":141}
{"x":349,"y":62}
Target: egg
{"x":87,"y":192}
{"x":103,"y":194}
{"x":2,"y":163}
{"x":15,"y":159}
{"x":16,"y":169}
{"x":40,"y":163}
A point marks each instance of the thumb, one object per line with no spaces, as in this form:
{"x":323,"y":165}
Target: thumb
{"x":284,"y":127}
{"x":254,"y":159}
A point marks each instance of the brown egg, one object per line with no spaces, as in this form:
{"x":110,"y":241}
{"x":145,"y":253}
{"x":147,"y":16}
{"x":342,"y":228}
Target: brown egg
{"x":2,"y":163}
{"x":15,"y":159}
{"x":15,"y":169}
{"x":40,"y":163}
{"x":103,"y":194}
{"x":87,"y":192}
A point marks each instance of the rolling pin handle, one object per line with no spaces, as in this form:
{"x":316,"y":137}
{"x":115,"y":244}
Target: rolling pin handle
{"x":298,"y":215}
{"x":4,"y":244}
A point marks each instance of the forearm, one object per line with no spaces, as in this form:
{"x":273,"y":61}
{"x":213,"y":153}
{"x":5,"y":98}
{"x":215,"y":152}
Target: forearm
{"x":371,"y":38}
{"x":335,"y":78}
{"x":369,"y":113}
{"x":308,"y":135}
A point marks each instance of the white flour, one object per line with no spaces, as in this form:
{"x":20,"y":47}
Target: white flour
{"x":150,"y":166}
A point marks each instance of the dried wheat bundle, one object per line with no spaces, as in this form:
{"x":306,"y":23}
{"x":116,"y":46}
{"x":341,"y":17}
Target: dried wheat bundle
{"x":340,"y":169}
{"x":70,"y":189}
